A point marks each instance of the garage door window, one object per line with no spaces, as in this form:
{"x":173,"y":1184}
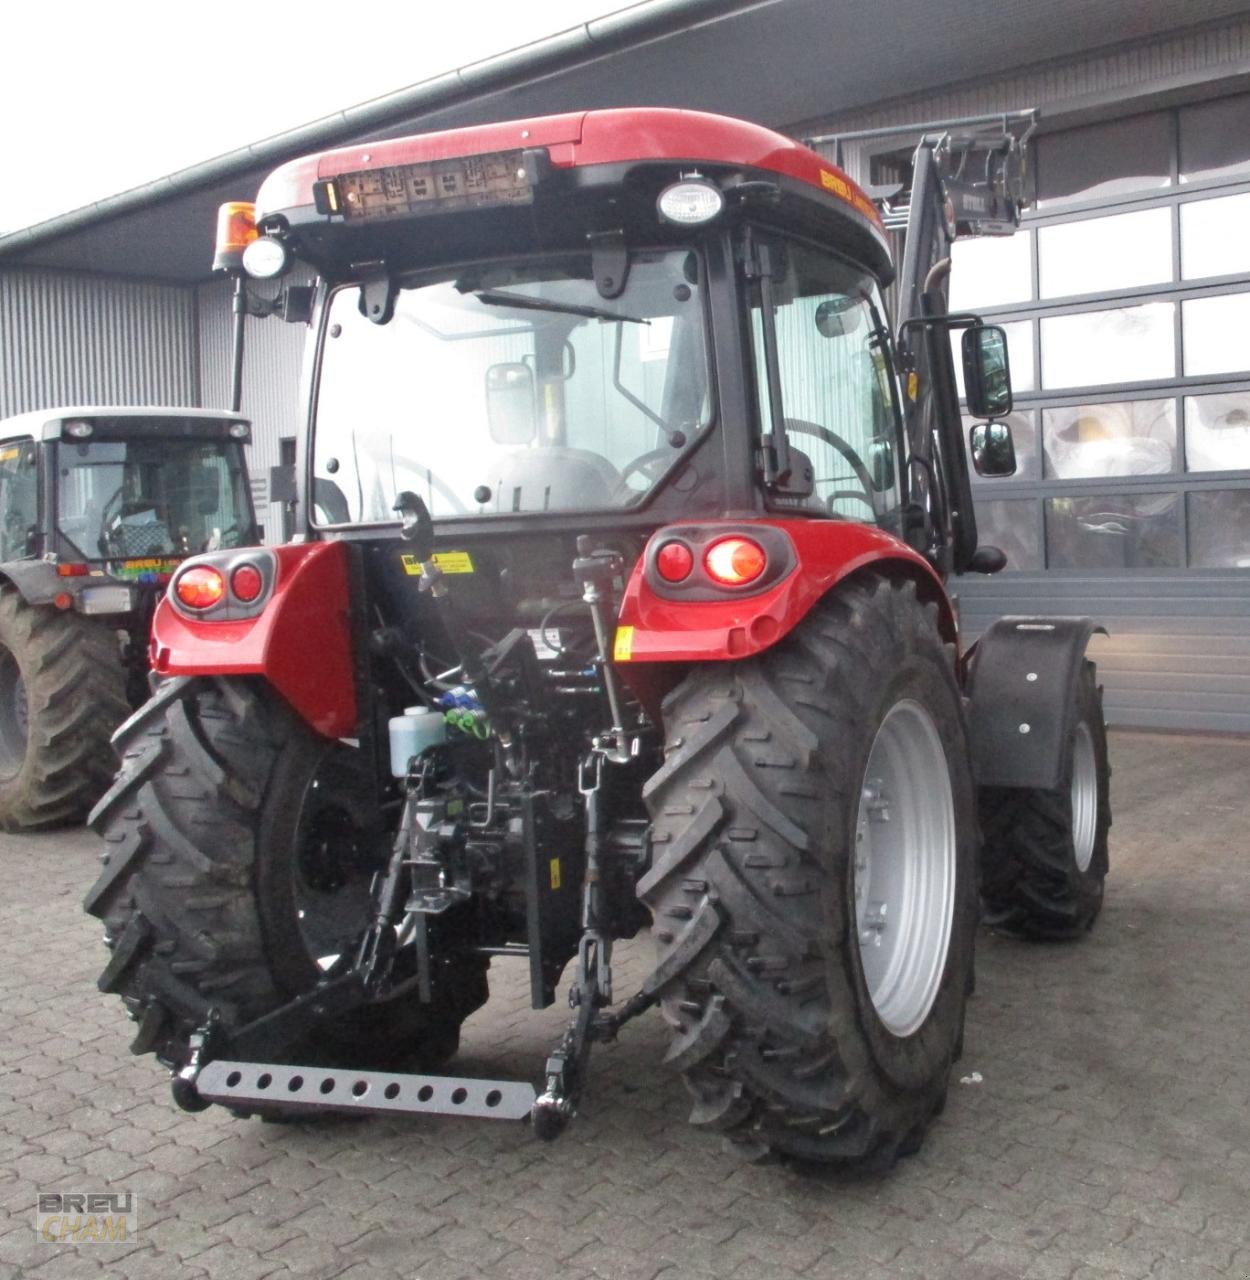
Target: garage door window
{"x":1130,"y":347}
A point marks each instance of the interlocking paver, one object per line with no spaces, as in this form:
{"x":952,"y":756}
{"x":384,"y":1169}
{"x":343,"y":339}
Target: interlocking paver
{"x":1108,"y":1138}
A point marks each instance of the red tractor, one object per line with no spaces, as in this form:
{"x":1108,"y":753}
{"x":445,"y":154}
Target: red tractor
{"x":619,"y":595}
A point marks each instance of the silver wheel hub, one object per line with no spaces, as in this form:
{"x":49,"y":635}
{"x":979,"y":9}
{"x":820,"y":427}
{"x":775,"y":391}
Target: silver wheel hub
{"x":1084,"y":793}
{"x":904,"y":868}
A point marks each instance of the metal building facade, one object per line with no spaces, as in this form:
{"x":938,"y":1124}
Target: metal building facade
{"x":1126,"y":298}
{"x":69,"y":338}
{"x":1179,"y":652}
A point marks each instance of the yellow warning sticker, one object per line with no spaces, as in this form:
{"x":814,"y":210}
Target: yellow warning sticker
{"x":913,"y":387}
{"x":555,"y":874}
{"x":7,"y":455}
{"x":447,"y":561}
{"x":831,"y":182}
{"x":623,"y":649}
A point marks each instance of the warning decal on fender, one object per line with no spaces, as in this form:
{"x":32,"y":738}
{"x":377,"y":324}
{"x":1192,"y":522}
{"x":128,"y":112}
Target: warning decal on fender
{"x":623,"y":649}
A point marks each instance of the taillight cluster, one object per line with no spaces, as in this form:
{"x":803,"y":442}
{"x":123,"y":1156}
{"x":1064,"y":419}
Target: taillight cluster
{"x":228,"y":588}
{"x":731,"y":562}
{"x":690,"y":561}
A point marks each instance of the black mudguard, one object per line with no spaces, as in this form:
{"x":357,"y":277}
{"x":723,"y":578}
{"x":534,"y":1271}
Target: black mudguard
{"x":1021,"y":688}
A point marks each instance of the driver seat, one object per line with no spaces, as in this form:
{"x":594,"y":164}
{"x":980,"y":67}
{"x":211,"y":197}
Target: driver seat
{"x":553,"y":478}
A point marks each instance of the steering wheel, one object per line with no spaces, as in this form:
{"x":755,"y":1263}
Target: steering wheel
{"x":802,"y":428}
{"x":651,"y":466}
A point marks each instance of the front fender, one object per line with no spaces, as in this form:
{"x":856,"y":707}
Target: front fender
{"x":301,"y":643}
{"x":1021,"y":685}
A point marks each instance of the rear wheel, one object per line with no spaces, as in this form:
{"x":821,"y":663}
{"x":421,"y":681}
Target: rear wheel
{"x":240,"y":851}
{"x":814,"y":882}
{"x":1046,"y":856}
{"x":62,"y":693}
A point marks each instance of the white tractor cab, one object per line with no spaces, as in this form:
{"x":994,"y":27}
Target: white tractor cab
{"x":98,"y":507}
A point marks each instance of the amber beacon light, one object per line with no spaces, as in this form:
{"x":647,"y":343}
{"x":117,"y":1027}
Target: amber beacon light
{"x":236,"y":229}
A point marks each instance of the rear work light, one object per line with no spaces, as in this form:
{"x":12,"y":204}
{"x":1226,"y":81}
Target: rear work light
{"x":735,"y":561}
{"x":674,"y":561}
{"x":200,"y":587}
{"x":247,"y":583}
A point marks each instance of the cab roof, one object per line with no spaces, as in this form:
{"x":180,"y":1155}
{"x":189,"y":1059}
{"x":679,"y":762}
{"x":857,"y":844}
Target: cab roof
{"x":47,"y":424}
{"x":614,"y":140}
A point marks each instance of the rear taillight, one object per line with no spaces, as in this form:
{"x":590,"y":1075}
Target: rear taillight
{"x":200,"y":587}
{"x":247,"y":583}
{"x":674,"y":561}
{"x":735,"y":561}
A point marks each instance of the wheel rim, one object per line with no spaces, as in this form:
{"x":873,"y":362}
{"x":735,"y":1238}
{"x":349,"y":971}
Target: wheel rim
{"x":14,"y":716}
{"x":333,"y":873}
{"x":905,"y":868}
{"x":1084,"y":793}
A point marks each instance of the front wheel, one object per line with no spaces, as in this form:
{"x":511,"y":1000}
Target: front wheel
{"x":813,"y":887}
{"x":1046,"y":855}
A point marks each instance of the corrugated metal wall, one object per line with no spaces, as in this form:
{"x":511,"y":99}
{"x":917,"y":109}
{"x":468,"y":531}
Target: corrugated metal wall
{"x":273,"y":355}
{"x":1178,"y":656}
{"x":70,"y":339}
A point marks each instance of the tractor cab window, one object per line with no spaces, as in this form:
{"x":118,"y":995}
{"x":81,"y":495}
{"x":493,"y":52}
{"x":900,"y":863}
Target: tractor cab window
{"x":838,"y":400}
{"x":19,"y":499}
{"x":511,"y":388}
{"x":151,"y":497}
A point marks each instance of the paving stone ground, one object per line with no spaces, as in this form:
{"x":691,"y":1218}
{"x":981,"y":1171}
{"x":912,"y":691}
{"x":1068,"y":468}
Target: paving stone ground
{"x":1107,"y":1134}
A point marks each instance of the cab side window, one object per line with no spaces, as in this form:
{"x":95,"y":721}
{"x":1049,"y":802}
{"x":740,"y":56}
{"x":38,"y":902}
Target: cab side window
{"x":19,"y":500}
{"x":836,"y":380}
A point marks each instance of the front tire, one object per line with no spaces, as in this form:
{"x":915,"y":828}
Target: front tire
{"x":816,"y":994}
{"x":240,"y":849}
{"x":62,"y":693}
{"x":1046,"y":856}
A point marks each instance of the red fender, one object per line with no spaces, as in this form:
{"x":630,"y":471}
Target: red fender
{"x":301,"y":642}
{"x":652,"y":628}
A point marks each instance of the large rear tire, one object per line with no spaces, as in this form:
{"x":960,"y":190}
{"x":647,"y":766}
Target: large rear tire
{"x":1046,"y":856}
{"x":62,"y":693}
{"x":813,"y":885}
{"x":240,"y":849}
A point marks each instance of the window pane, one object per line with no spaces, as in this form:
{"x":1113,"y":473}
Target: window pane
{"x":1102,"y":255}
{"x":1128,"y":344}
{"x":1104,"y":159}
{"x":1214,"y":332}
{"x":837,"y":394}
{"x":1113,"y":531}
{"x":1215,"y":139}
{"x":1217,"y":432}
{"x":1213,"y":237}
{"x":1219,"y":529}
{"x":1024,"y":434}
{"x":1133,"y":438}
{"x":1019,"y":356}
{"x":1011,"y":525}
{"x":990,"y":271}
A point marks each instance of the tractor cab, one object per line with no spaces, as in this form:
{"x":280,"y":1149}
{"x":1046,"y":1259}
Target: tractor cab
{"x":107,"y":496}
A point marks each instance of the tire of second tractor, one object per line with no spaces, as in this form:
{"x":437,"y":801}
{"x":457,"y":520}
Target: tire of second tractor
{"x":1045,"y":858}
{"x":62,"y":693}
{"x":239,"y":850}
{"x":813,"y":884}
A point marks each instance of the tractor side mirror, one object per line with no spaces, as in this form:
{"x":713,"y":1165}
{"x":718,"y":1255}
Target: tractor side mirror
{"x":838,"y":317}
{"x":987,"y":373}
{"x":993,"y":449}
{"x":510,"y":410}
